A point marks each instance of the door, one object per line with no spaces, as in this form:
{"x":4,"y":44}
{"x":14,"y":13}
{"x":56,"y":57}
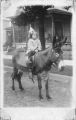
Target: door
{"x":9,"y":38}
{"x":58,"y":29}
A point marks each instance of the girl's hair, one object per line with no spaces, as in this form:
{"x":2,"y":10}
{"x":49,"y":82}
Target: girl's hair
{"x":29,"y":35}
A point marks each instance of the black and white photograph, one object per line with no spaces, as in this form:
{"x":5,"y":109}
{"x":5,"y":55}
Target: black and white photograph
{"x":37,"y":54}
{"x":37,"y":60}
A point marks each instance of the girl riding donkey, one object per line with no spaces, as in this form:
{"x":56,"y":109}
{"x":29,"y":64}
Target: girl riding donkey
{"x":34,"y":44}
{"x":42,"y":62}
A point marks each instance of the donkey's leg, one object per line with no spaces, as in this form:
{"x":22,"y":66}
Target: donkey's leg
{"x":39,"y":86}
{"x":13,"y":77}
{"x":20,"y":84}
{"x":13,"y":86}
{"x":47,"y":90}
{"x":31,"y":75}
{"x":33,"y":78}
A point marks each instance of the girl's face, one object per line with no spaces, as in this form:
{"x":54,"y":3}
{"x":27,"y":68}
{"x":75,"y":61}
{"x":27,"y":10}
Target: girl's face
{"x":34,"y":36}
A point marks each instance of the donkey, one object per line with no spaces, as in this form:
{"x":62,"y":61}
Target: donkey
{"x":41,"y":61}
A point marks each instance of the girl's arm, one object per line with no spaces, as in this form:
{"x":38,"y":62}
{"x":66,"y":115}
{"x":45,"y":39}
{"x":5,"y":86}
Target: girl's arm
{"x":30,"y":45}
{"x":39,"y":45}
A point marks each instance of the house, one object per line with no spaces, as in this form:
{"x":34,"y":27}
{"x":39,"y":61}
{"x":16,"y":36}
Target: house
{"x":7,"y":30}
{"x":56,"y":21}
{"x":6,"y":22}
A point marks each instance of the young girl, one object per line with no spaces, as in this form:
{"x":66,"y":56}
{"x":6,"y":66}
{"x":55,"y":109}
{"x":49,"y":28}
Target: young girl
{"x":34,"y":44}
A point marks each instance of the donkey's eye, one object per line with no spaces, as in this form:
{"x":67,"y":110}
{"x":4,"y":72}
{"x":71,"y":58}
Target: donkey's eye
{"x":57,"y":55}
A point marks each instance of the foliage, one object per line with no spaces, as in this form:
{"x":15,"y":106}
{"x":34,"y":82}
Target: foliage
{"x":31,"y":13}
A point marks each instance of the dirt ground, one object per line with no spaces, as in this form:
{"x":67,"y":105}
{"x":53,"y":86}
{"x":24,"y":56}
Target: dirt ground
{"x":60,"y":91}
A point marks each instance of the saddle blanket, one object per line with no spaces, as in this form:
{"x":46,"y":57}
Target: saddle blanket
{"x":22,"y":59}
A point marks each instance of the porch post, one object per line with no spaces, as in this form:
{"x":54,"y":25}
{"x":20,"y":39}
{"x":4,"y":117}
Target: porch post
{"x":14,"y":42}
{"x":41,"y":31}
{"x":52,"y":27}
{"x":27,"y":28}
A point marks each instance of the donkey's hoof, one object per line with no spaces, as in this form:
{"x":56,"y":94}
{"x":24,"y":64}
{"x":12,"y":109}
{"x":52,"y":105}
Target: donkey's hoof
{"x":21,"y":89}
{"x":40,"y":97}
{"x":48,"y":97}
{"x":13,"y":88}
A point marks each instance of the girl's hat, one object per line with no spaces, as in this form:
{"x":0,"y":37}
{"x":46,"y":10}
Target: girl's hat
{"x":31,"y":31}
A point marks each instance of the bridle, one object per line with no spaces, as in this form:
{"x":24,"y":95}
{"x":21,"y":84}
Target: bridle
{"x":58,"y":53}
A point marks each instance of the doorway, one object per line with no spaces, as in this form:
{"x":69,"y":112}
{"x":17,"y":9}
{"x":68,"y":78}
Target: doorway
{"x":58,"y":29}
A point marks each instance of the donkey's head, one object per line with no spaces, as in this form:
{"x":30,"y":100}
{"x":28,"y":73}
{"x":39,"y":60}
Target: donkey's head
{"x":57,"y":58}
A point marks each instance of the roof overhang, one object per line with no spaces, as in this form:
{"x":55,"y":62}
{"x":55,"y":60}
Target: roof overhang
{"x":16,"y":9}
{"x":59,"y":11}
{"x":14,"y":12}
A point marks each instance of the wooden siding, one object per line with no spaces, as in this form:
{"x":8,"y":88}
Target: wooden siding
{"x":20,"y":33}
